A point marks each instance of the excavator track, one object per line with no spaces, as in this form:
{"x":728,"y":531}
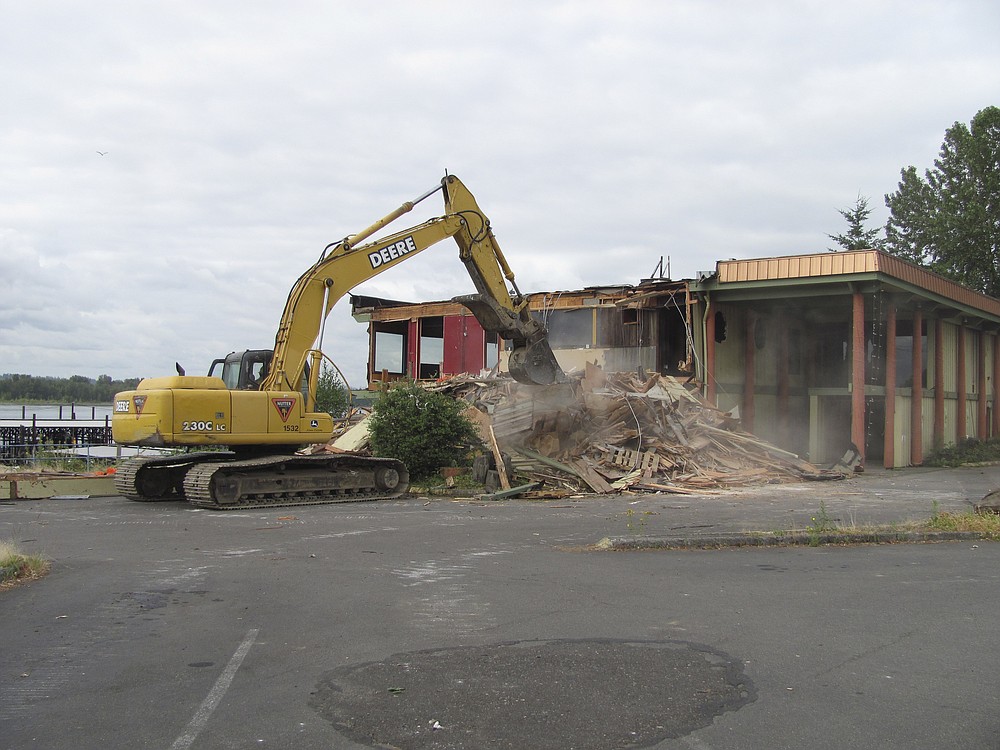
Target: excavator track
{"x":157,"y":478}
{"x":276,"y":481}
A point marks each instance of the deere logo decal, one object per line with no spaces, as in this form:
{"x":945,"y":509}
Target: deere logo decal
{"x":284,"y":407}
{"x":395,"y":250}
{"x":139,"y":401}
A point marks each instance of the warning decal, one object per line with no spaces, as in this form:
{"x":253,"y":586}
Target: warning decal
{"x":284,"y":407}
{"x":139,"y":401}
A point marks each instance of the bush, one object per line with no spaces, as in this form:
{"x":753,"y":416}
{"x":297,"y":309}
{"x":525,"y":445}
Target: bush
{"x":424,"y":430}
{"x":968,"y":451}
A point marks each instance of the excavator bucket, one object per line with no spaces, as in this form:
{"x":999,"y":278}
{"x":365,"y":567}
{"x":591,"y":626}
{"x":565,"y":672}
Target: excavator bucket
{"x":531,"y":361}
{"x":535,"y":364}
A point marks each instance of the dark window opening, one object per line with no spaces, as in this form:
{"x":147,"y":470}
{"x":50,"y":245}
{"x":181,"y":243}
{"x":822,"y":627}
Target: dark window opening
{"x":720,"y":327}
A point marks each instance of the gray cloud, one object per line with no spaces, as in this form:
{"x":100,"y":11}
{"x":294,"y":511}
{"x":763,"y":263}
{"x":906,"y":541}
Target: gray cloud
{"x":597,"y":136}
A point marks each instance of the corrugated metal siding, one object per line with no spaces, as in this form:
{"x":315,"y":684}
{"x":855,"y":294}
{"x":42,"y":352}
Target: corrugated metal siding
{"x":847,"y":263}
{"x":797,"y":266}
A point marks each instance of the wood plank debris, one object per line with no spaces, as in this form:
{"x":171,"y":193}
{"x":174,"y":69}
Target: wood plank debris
{"x":614,"y":432}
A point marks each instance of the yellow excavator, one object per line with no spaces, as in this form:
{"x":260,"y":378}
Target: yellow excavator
{"x":257,"y":408}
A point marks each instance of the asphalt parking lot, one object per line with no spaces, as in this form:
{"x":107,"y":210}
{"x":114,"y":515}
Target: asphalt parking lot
{"x":448,"y":622}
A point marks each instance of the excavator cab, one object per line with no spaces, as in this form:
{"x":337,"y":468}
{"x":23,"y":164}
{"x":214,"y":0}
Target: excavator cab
{"x":243,"y":371}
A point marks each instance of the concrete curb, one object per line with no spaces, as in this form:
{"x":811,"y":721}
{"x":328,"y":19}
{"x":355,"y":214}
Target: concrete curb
{"x":792,"y":539}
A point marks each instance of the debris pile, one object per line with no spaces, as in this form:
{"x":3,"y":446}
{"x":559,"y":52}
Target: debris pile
{"x":605,"y":433}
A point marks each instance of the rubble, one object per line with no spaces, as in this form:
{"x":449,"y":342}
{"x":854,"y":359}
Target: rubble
{"x":607,"y":433}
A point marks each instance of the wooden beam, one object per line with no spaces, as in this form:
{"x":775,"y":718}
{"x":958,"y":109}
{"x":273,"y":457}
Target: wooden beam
{"x":784,"y":435}
{"x":996,"y":386}
{"x":889,"y":445}
{"x":938,"y":384}
{"x":917,"y":392}
{"x":982,"y":429}
{"x":749,"y":370}
{"x":710,"y":354}
{"x":961,"y":422}
{"x":858,"y":374}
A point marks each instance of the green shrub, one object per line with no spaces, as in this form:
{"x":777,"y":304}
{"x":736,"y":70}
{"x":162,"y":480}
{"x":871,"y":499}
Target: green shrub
{"x":425,"y":430}
{"x":968,"y":451}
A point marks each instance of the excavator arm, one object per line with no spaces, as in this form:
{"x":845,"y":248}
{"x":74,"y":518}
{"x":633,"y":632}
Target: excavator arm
{"x":346,"y":264}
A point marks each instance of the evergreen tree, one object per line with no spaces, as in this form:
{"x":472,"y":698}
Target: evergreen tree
{"x":949,"y":219}
{"x":857,"y":237}
{"x":331,"y":393}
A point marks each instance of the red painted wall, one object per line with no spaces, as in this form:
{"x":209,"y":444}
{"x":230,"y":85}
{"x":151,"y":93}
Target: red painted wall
{"x":464,"y":345}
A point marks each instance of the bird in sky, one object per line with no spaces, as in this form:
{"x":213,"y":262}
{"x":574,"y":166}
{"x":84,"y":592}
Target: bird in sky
{"x":103,"y":153}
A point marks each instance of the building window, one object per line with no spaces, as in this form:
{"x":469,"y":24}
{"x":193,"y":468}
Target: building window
{"x":389,"y":352}
{"x":571,"y":329}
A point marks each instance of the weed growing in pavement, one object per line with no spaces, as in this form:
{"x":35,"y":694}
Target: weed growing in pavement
{"x":636,"y":522}
{"x":821,"y":524}
{"x":16,"y":566}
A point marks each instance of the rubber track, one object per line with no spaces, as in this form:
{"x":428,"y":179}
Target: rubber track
{"x":198,"y":483}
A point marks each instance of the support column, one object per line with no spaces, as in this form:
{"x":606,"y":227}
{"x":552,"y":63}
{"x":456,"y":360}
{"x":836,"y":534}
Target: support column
{"x":938,"y":384}
{"x":858,"y":374}
{"x":982,"y":429}
{"x":783,"y":390}
{"x":412,"y":367}
{"x":749,"y":371}
{"x":710,"y":354}
{"x":961,"y":422}
{"x":917,"y":392}
{"x":996,"y":386}
{"x":889,"y":446}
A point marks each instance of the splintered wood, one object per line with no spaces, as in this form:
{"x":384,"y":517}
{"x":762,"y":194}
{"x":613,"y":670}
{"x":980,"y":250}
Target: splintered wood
{"x":611,"y":432}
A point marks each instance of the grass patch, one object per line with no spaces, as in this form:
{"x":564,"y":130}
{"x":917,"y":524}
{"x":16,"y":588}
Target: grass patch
{"x":15,"y":566}
{"x":825,"y":530}
{"x":987,"y":524}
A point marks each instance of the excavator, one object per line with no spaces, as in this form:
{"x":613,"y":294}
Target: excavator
{"x":255,"y":410}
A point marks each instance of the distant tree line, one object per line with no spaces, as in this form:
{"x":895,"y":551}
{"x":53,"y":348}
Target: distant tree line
{"x":77,"y":389}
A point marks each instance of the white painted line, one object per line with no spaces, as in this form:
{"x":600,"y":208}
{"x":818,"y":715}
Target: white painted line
{"x":212,"y":700}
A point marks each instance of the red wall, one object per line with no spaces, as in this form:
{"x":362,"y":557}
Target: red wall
{"x":464,"y":345}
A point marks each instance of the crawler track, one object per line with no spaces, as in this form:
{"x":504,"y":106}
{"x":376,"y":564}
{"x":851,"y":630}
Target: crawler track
{"x":276,"y":481}
{"x":155,"y":478}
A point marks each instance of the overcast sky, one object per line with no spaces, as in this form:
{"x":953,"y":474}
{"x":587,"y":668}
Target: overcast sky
{"x":237,"y":139}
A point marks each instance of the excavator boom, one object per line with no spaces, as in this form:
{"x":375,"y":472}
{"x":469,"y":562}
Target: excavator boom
{"x":263,"y":407}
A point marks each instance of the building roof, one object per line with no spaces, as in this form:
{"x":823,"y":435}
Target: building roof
{"x":854,"y":267}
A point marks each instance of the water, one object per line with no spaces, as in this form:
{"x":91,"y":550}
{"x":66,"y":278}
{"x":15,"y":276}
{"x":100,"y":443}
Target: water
{"x":51,"y":411}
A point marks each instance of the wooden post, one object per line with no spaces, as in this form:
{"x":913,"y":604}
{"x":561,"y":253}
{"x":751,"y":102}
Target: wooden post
{"x":858,"y":374}
{"x":710,"y":353}
{"x":961,"y":423}
{"x":889,"y":446}
{"x":917,"y":392}
{"x":783,"y":418}
{"x":749,"y":371}
{"x":938,"y":384}
{"x":996,"y":385}
{"x":982,"y":429}
{"x":498,"y":459}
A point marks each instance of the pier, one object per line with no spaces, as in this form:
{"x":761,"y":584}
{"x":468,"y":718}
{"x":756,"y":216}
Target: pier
{"x":23,"y":438}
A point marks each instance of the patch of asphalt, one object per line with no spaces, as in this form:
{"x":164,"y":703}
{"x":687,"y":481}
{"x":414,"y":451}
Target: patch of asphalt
{"x":548,"y":694}
{"x":792,"y":539}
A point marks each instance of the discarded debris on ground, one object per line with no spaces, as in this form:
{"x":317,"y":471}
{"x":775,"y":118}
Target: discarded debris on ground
{"x":610,"y":432}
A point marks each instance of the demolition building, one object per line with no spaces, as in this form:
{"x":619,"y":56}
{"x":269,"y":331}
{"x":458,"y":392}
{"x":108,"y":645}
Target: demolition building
{"x":816,"y":353}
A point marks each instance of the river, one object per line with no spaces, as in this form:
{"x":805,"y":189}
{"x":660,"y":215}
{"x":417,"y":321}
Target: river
{"x":52,"y":411}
